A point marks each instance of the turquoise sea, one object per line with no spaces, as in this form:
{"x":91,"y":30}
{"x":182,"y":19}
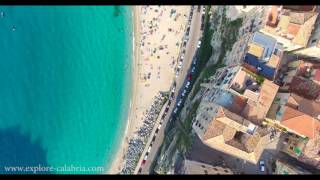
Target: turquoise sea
{"x":65,"y":75}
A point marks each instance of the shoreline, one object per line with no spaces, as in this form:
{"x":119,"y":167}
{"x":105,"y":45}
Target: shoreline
{"x":119,"y":160}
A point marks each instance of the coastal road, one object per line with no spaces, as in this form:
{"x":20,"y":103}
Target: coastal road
{"x":191,"y":47}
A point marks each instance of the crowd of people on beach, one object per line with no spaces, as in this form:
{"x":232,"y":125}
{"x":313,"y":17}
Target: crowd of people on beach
{"x":155,"y":44}
{"x":136,"y":145}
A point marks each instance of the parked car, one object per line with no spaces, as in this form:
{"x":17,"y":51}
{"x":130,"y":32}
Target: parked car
{"x":199,"y":44}
{"x":193,"y":69}
{"x":173,"y":89}
{"x":195,"y":61}
{"x":262,"y":168}
{"x":184,"y":93}
{"x":179,"y":103}
{"x":175,"y":110}
{"x":143,"y":163}
{"x":190,"y":77}
{"x":188,"y":84}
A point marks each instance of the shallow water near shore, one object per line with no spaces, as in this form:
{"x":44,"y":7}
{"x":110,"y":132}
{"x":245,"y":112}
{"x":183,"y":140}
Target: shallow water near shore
{"x":65,"y":77}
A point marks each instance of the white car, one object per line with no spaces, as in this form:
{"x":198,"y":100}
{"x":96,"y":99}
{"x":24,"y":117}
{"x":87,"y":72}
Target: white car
{"x":179,"y":103}
{"x":261,"y":164}
{"x":173,"y":89}
{"x":175,"y":110}
{"x":184,"y":93}
{"x":203,"y":10}
{"x":188,"y":84}
{"x":199,"y":44}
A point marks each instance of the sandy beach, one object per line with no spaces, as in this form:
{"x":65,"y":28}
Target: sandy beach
{"x":158,"y":32}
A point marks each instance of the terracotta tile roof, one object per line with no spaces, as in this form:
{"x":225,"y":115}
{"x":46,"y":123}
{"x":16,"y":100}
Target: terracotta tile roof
{"x":256,"y":50}
{"x":215,"y":128}
{"x":304,"y":87}
{"x":300,"y":122}
{"x":295,"y":26}
{"x":305,"y":31}
{"x":257,"y":111}
{"x":233,"y":137}
{"x":254,"y":113}
{"x":231,"y":115}
{"x":267,"y":93}
{"x":244,"y":142}
{"x":293,"y":29}
{"x":238,"y":104}
{"x":252,"y":142}
{"x":290,"y":113}
{"x":300,"y":8}
{"x":300,"y":18}
{"x":309,"y":107}
{"x":228,"y":133}
{"x":317,"y":75}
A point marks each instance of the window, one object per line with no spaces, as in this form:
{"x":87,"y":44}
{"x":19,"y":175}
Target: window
{"x":202,"y":166}
{"x":205,"y":172}
{"x":313,"y":41}
{"x":225,"y":171}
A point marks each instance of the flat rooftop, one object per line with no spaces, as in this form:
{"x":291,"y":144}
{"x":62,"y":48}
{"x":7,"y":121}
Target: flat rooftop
{"x":267,"y":43}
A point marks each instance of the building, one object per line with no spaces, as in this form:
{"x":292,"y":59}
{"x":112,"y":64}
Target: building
{"x":291,"y":26}
{"x":194,"y":167}
{"x":232,"y":134}
{"x":242,"y":92}
{"x":294,"y":120}
{"x":313,"y":48}
{"x":263,"y":56}
{"x":233,"y":107}
{"x":304,"y":87}
{"x":307,"y":106}
{"x":309,"y":70}
{"x":253,"y":18}
{"x":299,"y":118}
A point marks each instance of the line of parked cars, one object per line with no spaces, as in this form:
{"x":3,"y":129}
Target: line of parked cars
{"x":185,"y":40}
{"x":187,"y":84}
{"x":203,"y":12}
